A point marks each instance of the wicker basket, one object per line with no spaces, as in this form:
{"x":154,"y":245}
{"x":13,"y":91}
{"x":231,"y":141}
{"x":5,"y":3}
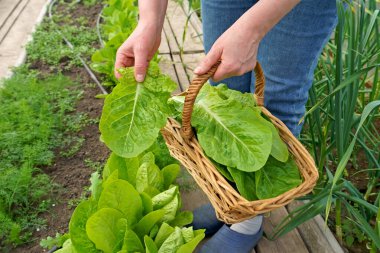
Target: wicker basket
{"x":230,"y":206}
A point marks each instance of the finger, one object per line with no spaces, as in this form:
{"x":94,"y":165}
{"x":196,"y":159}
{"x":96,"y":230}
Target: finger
{"x":122,"y":61}
{"x":211,"y":58}
{"x":226,"y":70}
{"x":141,"y":63}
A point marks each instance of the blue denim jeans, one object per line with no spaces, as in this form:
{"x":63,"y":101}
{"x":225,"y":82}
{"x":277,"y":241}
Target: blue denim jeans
{"x":288,"y":53}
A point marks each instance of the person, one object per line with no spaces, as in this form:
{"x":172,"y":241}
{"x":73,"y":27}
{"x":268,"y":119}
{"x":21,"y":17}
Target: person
{"x":286,"y":37}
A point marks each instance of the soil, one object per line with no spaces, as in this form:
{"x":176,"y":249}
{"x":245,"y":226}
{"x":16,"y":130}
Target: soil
{"x":71,"y":174}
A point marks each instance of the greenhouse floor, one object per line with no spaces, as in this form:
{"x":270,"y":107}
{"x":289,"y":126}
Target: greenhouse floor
{"x":179,"y":55}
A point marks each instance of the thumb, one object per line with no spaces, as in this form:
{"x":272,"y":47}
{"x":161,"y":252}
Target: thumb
{"x":211,"y":58}
{"x":141,"y":64}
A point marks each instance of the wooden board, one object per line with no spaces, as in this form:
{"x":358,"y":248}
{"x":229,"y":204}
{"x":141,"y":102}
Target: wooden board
{"x":318,"y":239}
{"x":183,"y":79}
{"x":13,"y":16}
{"x":164,"y":46}
{"x":191,"y":61}
{"x":167,"y":67}
{"x":290,"y":243}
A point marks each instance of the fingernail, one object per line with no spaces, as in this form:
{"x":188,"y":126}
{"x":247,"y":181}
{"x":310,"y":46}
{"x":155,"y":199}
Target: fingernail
{"x":140,"y":78}
{"x":197,"y":70}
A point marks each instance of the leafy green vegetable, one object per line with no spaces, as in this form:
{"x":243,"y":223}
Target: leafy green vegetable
{"x":245,"y":182}
{"x":173,"y":242}
{"x":164,"y":198}
{"x":279,"y":149}
{"x":163,"y":233}
{"x":144,"y":226}
{"x":149,"y":174}
{"x":150,"y":246}
{"x":132,"y":242}
{"x":134,"y":113}
{"x":77,"y":227}
{"x":235,"y":135}
{"x":190,"y":246}
{"x":182,"y":219}
{"x":170,"y":173}
{"x":123,"y":197}
{"x":103,"y":229}
{"x":276,"y":178}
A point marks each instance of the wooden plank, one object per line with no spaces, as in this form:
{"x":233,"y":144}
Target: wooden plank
{"x":7,"y":7}
{"x":183,"y":80}
{"x":12,"y":45}
{"x":171,"y":41}
{"x":191,"y":61}
{"x":12,"y":18}
{"x":178,"y":23}
{"x":164,"y":46}
{"x":167,"y":67}
{"x":318,"y":239}
{"x":290,"y":243}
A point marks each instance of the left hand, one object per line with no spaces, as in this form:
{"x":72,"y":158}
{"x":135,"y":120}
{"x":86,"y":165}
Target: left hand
{"x":237,"y":48}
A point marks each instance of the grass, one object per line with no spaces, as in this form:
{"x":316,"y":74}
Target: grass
{"x":33,"y":113}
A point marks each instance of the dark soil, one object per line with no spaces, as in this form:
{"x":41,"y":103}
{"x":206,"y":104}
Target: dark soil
{"x":71,"y":174}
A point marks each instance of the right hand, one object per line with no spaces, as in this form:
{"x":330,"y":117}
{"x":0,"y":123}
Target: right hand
{"x":138,"y":50}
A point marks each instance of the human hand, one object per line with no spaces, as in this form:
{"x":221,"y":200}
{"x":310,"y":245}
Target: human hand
{"x":139,"y":49}
{"x":236,"y":48}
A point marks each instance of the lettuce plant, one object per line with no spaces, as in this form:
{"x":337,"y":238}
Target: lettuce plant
{"x":135,"y":208}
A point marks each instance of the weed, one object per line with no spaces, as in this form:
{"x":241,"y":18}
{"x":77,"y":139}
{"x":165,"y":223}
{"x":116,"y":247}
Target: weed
{"x":71,"y":145}
{"x":96,"y":166}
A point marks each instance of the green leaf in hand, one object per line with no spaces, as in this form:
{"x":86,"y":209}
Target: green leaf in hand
{"x":134,"y":113}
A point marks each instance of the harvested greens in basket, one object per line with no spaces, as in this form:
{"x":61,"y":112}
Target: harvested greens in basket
{"x":244,"y":146}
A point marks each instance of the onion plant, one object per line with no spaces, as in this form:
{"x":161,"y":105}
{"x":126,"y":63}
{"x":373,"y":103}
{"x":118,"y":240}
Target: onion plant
{"x":343,"y":110}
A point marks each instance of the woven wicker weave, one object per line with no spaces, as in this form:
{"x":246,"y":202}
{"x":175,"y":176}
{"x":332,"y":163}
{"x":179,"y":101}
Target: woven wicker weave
{"x":230,"y":206}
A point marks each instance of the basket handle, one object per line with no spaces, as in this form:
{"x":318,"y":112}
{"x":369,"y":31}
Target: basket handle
{"x":197,"y":83}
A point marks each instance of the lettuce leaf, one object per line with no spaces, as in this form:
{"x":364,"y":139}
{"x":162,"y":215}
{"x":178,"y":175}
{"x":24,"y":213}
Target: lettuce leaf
{"x":230,"y":133}
{"x":134,"y":113}
{"x":276,"y":178}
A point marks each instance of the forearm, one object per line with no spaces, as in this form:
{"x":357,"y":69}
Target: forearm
{"x":265,"y":14}
{"x":152,"y":12}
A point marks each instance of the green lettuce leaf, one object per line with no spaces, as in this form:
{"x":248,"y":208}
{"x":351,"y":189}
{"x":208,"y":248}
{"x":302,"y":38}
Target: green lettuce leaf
{"x":229,"y":132}
{"x":147,"y":175}
{"x":123,"y":197}
{"x":279,"y":149}
{"x":147,"y":222}
{"x":190,"y":246}
{"x":134,"y":113}
{"x":245,"y":183}
{"x":150,"y":246}
{"x":276,"y":178}
{"x":163,"y":198}
{"x":163,"y":233}
{"x":173,"y":242}
{"x":103,"y":228}
{"x":132,"y":242}
{"x":77,"y":227}
{"x":170,"y":173}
